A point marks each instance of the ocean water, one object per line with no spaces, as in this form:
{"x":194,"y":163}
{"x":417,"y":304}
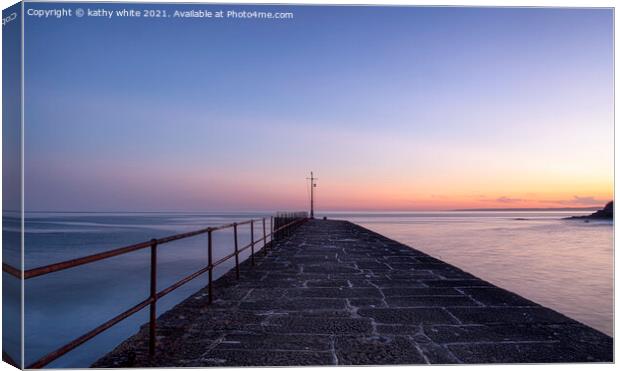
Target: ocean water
{"x":563,"y":264}
{"x":566,"y":265}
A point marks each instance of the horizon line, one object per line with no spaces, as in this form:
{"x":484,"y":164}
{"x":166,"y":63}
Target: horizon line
{"x":319,"y":211}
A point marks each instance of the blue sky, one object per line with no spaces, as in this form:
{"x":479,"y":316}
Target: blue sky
{"x":394,"y":108}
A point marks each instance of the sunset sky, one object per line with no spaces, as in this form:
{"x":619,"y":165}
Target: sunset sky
{"x":392,"y":108}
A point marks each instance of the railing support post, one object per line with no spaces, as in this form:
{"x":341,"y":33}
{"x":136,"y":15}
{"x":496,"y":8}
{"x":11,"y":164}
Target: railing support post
{"x":290,"y":226}
{"x":264,"y":238}
{"x":271,"y":226}
{"x":252,"y":239}
{"x":153,"y":296}
{"x":236,"y":250}
{"x":210,"y":246}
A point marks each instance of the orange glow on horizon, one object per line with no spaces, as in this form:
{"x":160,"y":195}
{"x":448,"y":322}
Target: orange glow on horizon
{"x":400,"y":198}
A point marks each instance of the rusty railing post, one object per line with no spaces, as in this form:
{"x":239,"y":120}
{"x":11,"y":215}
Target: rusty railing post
{"x":153,"y":296}
{"x":271,"y":226}
{"x":236,"y":250}
{"x":264,"y":238}
{"x":210,"y":266}
{"x":252,"y":238}
{"x":289,"y":229}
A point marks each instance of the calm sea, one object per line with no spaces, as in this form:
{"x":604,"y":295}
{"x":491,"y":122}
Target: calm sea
{"x":562,"y":264}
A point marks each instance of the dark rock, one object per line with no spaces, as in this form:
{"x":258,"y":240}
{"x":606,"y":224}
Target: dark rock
{"x":606,"y":213}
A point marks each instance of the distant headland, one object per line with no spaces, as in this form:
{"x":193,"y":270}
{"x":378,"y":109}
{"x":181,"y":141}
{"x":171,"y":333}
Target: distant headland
{"x":605,"y":213}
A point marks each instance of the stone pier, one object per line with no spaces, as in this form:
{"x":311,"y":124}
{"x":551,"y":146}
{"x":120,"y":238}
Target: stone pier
{"x":335,"y":293}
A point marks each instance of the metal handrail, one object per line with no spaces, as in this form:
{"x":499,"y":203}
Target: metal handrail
{"x":285,"y":223}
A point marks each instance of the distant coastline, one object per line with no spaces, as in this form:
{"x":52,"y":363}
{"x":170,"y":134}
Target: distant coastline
{"x":592,"y":208}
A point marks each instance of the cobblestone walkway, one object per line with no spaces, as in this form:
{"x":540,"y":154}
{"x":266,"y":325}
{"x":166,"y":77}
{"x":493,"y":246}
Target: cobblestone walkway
{"x":337,"y":294}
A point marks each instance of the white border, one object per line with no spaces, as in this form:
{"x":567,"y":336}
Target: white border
{"x":470,"y":3}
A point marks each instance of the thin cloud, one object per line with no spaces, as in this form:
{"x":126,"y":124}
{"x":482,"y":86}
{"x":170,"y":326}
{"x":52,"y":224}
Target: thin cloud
{"x":508,"y":200}
{"x":584,"y":201}
{"x":503,"y":199}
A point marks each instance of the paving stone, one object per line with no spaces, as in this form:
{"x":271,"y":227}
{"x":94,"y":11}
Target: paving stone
{"x":376,"y":350}
{"x":456,"y":283}
{"x":265,"y":341}
{"x":227,"y":320}
{"x":584,"y":340}
{"x":265,"y":293}
{"x":359,"y":283}
{"x":412,"y":266}
{"x":221,"y":358}
{"x":429,"y":259}
{"x":388,"y":283}
{"x":335,"y":293}
{"x":434,"y":353}
{"x":320,"y":313}
{"x":408,"y":316}
{"x":299,"y":277}
{"x":578,"y":333}
{"x":400,"y":258}
{"x":414,"y":275}
{"x":185,"y":349}
{"x":327,"y":283}
{"x":487,"y":333}
{"x":431,"y":301}
{"x":286,"y":304}
{"x":372,"y":266}
{"x":493,"y":296}
{"x":359,"y":276}
{"x":434,"y":267}
{"x":367,"y":302}
{"x":398,"y":329}
{"x":508,"y":315}
{"x":420,"y":291}
{"x":320,"y":325}
{"x":327,"y":269}
{"x":452,"y":274}
{"x":283,"y":284}
{"x":522,"y":353}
